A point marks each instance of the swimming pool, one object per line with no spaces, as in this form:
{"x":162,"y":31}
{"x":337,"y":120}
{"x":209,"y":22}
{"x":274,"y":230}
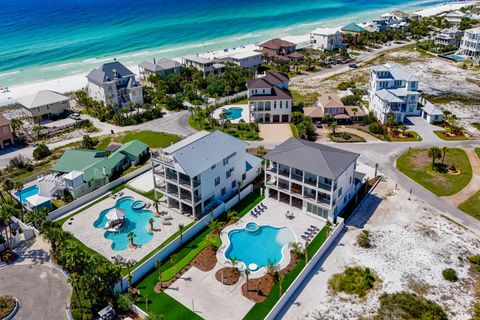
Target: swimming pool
{"x":233,"y":113}
{"x":457,"y":57}
{"x":27,"y":192}
{"x":135,"y":221}
{"x":258,"y":244}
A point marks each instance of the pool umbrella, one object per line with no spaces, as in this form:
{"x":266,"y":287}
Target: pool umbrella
{"x":115,"y":214}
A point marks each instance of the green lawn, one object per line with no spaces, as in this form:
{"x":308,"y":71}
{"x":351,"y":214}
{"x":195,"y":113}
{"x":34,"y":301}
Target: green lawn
{"x":103,"y":143}
{"x":294,"y":130}
{"x":472,"y":206}
{"x":164,"y":304}
{"x":340,"y":139}
{"x":477,"y":150}
{"x":412,"y":137}
{"x":416,"y":164}
{"x":260,"y":310}
{"x":440,"y":134}
{"x":152,"y":138}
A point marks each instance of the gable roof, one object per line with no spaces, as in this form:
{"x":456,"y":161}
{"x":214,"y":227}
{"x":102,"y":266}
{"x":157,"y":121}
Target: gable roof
{"x":318,"y":159}
{"x":109,"y":72}
{"x":41,"y":98}
{"x":353,"y":27}
{"x":134,"y":148}
{"x":330,"y":100}
{"x":325,"y":31}
{"x":202,"y":150}
{"x":277,"y":43}
{"x":431,"y":109}
{"x":4,"y":121}
{"x":160,"y":65}
{"x":78,"y":159}
{"x":396,"y":72}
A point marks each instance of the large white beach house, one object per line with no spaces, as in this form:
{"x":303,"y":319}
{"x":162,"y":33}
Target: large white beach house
{"x":269,"y":98}
{"x":470,"y":45}
{"x":314,"y":177}
{"x":201,"y":172}
{"x":326,"y":39}
{"x":393,"y":89}
{"x":114,"y":84}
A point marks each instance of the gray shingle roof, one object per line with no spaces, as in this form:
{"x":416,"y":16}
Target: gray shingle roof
{"x":318,"y":159}
{"x":41,"y":98}
{"x":396,"y":72}
{"x":106,"y":72}
{"x":203,"y":150}
{"x":160,"y":65}
{"x":277,"y":94}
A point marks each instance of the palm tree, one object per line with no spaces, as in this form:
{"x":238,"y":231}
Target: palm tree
{"x":334,"y":127}
{"x":271,"y":268}
{"x":305,"y":252}
{"x":295,"y":246}
{"x":159,"y":267}
{"x":210,"y":240}
{"x":181,"y":228}
{"x":444,"y":151}
{"x":232,"y":215}
{"x":151,"y":221}
{"x":16,"y":124}
{"x":155,"y":203}
{"x":354,"y":110}
{"x":434,"y":153}
{"x":247,"y":274}
{"x":19,"y":188}
{"x":74,"y":281}
{"x":390,"y":119}
{"x":223,"y":118}
{"x":131,"y":236}
{"x":404,"y":128}
{"x":173,"y":260}
{"x":233,"y":262}
{"x":280,"y":282}
{"x":7,"y":212}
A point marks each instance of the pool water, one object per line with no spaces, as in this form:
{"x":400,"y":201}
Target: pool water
{"x":457,"y":57}
{"x":27,"y":192}
{"x":258,"y":247}
{"x":233,"y":113}
{"x":135,"y":220}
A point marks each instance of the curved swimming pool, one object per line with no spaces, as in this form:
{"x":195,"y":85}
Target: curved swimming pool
{"x":258,"y":245}
{"x":135,"y":220}
{"x":233,"y":113}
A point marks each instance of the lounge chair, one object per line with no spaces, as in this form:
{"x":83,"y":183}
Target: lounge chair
{"x":166,"y":223}
{"x":304,"y":237}
{"x":263,"y":206}
{"x":168,"y":218}
{"x":148,"y":205}
{"x":314,"y":227}
{"x":253,"y":214}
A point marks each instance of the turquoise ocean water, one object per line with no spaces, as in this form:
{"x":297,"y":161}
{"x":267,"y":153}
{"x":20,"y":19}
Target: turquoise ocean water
{"x":48,"y":39}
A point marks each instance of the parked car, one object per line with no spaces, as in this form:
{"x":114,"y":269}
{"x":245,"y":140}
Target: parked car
{"x":75,"y":116}
{"x":353,"y":65}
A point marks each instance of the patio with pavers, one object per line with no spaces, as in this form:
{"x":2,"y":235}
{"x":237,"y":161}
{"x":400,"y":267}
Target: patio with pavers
{"x":274,"y":133}
{"x":81,"y":226}
{"x":202,"y":293}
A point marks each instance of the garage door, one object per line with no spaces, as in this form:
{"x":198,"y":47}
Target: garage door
{"x":276,"y":118}
{"x":285,"y":118}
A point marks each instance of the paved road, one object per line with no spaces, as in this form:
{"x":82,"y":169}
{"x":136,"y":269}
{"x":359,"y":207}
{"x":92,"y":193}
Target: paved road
{"x":172,"y":122}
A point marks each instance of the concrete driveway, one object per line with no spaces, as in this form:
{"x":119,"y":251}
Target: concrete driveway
{"x":274,"y":133}
{"x":423,"y":128}
{"x":41,"y":289}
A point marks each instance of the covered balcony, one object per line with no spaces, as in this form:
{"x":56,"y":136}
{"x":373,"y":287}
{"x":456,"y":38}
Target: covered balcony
{"x":172,"y":189}
{"x":185,"y":195}
{"x":171,"y":174}
{"x":184,"y":179}
{"x":324,"y":198}
{"x":284,"y":170}
{"x":325,"y":184}
{"x":310,"y":179}
{"x":283,"y":184}
{"x":310,"y":194}
{"x":296,"y":188}
{"x":297,"y":175}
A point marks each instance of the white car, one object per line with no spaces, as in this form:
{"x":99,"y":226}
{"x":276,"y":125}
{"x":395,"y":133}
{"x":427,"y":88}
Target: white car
{"x":75,"y":116}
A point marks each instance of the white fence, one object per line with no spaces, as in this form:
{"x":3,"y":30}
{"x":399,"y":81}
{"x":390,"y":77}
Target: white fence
{"x":28,"y":233}
{"x":74,"y":205}
{"x":282,"y":302}
{"x":163,"y":253}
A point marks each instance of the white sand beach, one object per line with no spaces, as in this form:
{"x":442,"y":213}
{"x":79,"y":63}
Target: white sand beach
{"x":78,"y":81}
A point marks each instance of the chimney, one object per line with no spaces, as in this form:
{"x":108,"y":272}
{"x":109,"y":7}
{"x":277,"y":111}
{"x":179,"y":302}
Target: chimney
{"x":154,"y":62}
{"x":115,"y":74}
{"x":104,"y":171}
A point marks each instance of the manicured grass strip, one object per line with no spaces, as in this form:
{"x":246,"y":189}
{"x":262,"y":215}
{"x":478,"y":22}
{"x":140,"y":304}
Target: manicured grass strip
{"x":103,"y":143}
{"x":163,"y":304}
{"x":149,"y":194}
{"x":152,"y":138}
{"x":260,"y":310}
{"x":412,"y":163}
{"x":193,"y":123}
{"x":294,"y":130}
{"x":440,"y":134}
{"x":378,"y":136}
{"x":477,"y":151}
{"x":340,"y":139}
{"x":248,"y":203}
{"x":413,"y":136}
{"x":472,"y":206}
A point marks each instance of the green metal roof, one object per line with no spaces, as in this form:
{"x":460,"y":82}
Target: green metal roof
{"x":134,"y":148}
{"x":78,"y":159}
{"x":353,"y":27}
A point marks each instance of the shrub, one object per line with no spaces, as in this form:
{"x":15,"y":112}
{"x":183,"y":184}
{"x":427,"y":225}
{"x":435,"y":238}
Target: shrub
{"x":475,"y":260}
{"x":41,"y":151}
{"x":124,"y":302}
{"x":7,"y":304}
{"x":18,"y":162}
{"x":404,"y":305}
{"x":346,"y":85}
{"x":346,"y":136}
{"x":450,"y":274}
{"x":376,"y":128}
{"x":354,"y":280}
{"x":363,"y":239}
{"x":351,"y":100}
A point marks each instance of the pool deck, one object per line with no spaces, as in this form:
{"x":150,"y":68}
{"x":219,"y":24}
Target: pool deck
{"x":81,"y":226}
{"x":245,"y":112}
{"x":143,"y":182}
{"x":202,"y":293}
{"x":273,"y":216}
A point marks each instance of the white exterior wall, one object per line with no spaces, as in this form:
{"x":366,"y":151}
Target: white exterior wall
{"x":274,"y":112}
{"x":326,"y":41}
{"x":54,"y":108}
{"x":346,"y":182}
{"x":106,"y":94}
{"x":136,"y":95}
{"x":246,"y":62}
{"x":470,"y":45}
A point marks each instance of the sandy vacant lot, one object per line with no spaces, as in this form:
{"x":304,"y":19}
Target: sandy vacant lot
{"x":412,"y":245}
{"x":440,"y":77}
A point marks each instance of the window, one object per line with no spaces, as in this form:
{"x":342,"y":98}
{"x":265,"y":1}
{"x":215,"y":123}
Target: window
{"x":217,"y":181}
{"x":229,"y":172}
{"x":234,"y":184}
{"x":213,"y":167}
{"x":224,"y":191}
{"x":340,"y":192}
{"x":244,"y":176}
